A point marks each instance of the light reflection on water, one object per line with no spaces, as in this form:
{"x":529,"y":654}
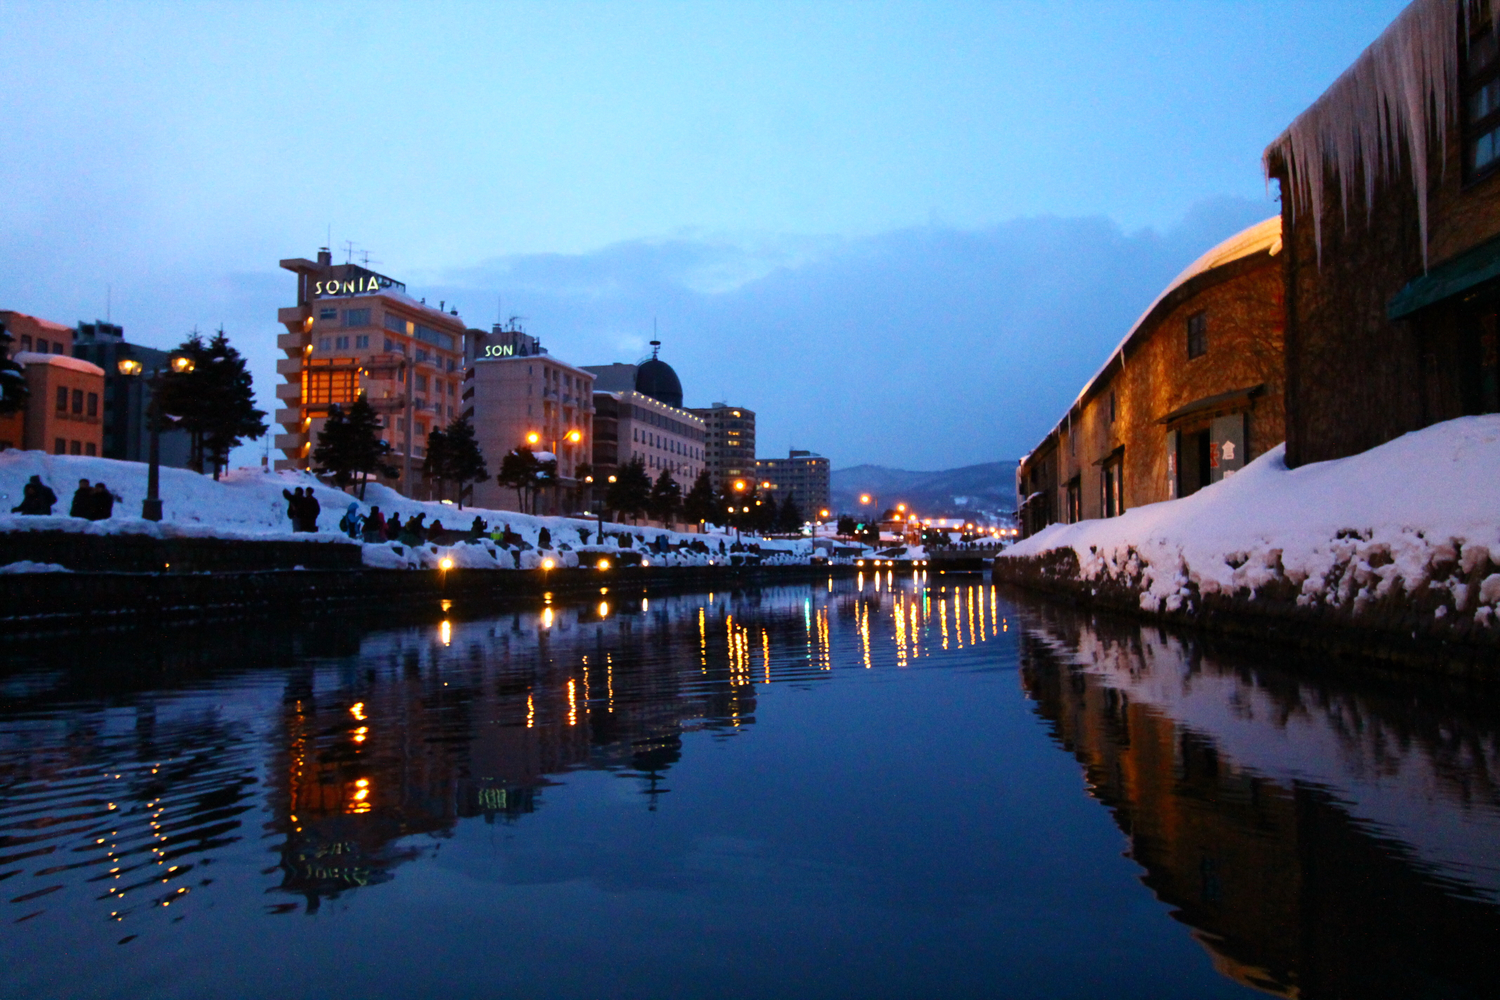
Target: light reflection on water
{"x":856,"y":768}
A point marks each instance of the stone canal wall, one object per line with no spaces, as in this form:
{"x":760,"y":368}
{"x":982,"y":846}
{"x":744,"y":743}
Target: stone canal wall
{"x":32,"y":603}
{"x":1438,"y":624}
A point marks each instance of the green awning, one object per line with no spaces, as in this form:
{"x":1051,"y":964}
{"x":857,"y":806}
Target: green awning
{"x":1467,"y":270}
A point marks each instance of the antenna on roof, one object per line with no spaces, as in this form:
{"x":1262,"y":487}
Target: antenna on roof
{"x":365,"y":258}
{"x":655,"y":348}
{"x":348,"y":251}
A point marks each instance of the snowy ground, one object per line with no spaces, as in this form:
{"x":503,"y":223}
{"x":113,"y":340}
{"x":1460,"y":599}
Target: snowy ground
{"x":1416,"y":520}
{"x":249,"y":504}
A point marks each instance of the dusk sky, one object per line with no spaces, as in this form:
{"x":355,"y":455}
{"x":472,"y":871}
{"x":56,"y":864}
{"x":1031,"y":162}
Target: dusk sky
{"x":903,"y":233}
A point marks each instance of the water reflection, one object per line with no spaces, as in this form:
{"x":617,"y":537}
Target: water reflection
{"x":1317,"y":833}
{"x":1324,"y":835}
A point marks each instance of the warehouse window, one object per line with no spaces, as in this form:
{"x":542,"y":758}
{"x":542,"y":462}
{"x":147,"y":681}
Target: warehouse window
{"x":1481,"y":101}
{"x":1197,"y":335}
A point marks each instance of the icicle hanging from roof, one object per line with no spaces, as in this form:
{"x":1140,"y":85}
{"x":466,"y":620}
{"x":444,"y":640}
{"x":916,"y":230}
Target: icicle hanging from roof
{"x":1378,"y":105}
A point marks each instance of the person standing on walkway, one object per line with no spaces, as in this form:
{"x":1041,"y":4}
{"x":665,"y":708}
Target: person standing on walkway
{"x":310,"y":511}
{"x":294,"y":508}
{"x":103,"y":507}
{"x":37,"y":498}
{"x":83,"y":501}
{"x":374,"y":526}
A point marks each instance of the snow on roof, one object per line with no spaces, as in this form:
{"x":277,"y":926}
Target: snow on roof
{"x":1263,"y":236}
{"x":45,"y":324}
{"x":25,"y":358}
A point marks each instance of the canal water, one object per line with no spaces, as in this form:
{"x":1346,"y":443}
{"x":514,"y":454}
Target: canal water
{"x":893,"y":786}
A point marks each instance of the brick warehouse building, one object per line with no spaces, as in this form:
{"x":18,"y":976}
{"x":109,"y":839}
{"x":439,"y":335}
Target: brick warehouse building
{"x":353,"y":331}
{"x":1192,"y":393}
{"x":1390,"y":187}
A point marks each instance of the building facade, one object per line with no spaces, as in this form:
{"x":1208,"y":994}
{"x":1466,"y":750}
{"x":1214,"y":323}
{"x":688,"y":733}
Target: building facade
{"x":634,"y":425}
{"x":729,"y":449}
{"x":354,"y":332}
{"x":1392,"y":232}
{"x":63,"y":412}
{"x":1193,"y":392}
{"x":518,"y":395}
{"x":639,"y":414}
{"x":127,"y":398}
{"x":802,"y":475}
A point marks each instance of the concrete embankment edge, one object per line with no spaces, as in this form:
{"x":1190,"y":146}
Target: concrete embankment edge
{"x":42,"y":603}
{"x":1399,"y":635}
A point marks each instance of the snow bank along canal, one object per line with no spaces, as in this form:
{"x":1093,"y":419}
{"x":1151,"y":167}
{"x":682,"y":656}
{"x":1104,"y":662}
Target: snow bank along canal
{"x":1400,"y":543}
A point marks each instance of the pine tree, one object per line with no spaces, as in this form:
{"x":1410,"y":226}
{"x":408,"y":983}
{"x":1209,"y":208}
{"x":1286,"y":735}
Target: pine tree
{"x":847,"y":525}
{"x":666,"y":498}
{"x":789,"y":518}
{"x":700,"y":504}
{"x":464,"y":462}
{"x":368,"y":450}
{"x":518,"y":472}
{"x":435,"y":459}
{"x":630,"y":493}
{"x":214,"y":402}
{"x":333,"y":455}
{"x":13,"y":389}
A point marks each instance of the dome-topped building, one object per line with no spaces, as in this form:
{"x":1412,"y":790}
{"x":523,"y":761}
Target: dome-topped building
{"x":655,"y":378}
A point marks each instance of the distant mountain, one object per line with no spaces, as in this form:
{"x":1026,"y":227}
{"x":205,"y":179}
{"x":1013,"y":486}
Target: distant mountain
{"x":989,"y":488}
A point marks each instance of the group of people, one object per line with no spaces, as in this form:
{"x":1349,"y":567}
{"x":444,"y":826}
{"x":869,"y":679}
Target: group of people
{"x":91,"y":501}
{"x":302,"y":508}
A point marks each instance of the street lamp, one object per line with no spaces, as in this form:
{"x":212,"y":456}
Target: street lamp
{"x":181,"y":364}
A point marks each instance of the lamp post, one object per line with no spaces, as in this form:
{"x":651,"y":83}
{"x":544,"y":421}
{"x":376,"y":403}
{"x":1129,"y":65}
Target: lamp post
{"x":181,"y":364}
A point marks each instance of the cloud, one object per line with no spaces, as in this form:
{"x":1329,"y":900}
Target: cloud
{"x":924,"y":348}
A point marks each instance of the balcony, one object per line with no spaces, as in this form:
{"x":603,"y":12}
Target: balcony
{"x":289,"y":366}
{"x":289,"y":442}
{"x":289,"y":418}
{"x":293,"y":314}
{"x":289,"y":391}
{"x":291,"y":342}
{"x":387,"y":404}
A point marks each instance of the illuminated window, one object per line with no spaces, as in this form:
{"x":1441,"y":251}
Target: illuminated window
{"x":329,"y":381}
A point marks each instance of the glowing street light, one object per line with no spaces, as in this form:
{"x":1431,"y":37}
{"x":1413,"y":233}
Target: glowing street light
{"x":179,"y":364}
{"x":533,"y":438}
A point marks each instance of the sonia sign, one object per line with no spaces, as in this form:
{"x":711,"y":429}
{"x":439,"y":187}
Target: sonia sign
{"x":359,"y":284}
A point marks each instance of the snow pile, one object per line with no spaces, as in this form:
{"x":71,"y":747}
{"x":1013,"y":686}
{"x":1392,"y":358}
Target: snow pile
{"x":248,"y":504}
{"x":27,"y":566}
{"x":1412,"y":523}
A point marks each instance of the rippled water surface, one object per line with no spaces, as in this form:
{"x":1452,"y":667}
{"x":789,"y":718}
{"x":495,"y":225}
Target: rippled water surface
{"x":884,"y":787}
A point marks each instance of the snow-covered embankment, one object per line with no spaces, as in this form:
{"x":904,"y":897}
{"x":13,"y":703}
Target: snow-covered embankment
{"x":1403,"y":539}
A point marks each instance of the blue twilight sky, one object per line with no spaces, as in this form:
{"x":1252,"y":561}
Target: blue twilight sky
{"x":903,"y":233}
